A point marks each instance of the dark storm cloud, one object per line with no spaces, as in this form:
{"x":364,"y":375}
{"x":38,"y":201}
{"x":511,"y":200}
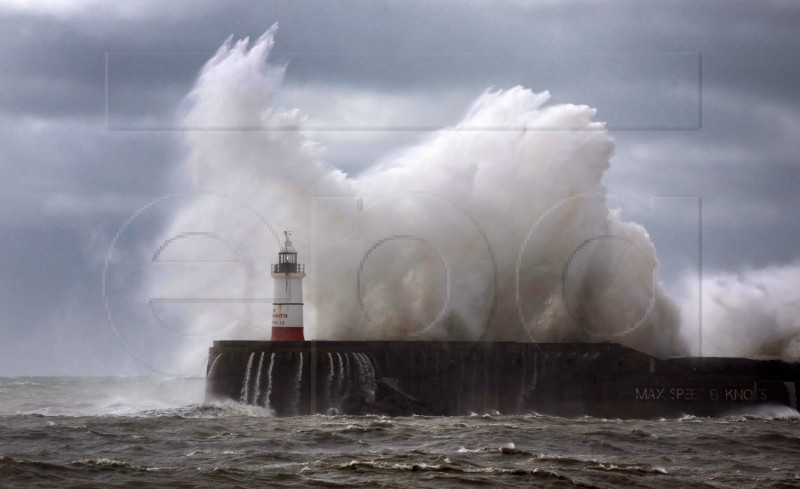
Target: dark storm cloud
{"x":404,"y":47}
{"x":47,"y":159}
{"x":744,"y":44}
{"x":66,"y":183}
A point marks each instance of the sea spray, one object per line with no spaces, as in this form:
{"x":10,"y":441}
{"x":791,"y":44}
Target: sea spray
{"x":257,"y":390}
{"x":373,"y":377}
{"x":348,"y":376}
{"x":370,"y":377}
{"x":298,"y":382}
{"x":329,"y":385}
{"x":246,"y":381}
{"x":210,"y":373}
{"x":268,"y":395}
{"x":753,"y":313}
{"x":362,"y":381}
{"x":339,"y":380}
{"x":457,"y":194}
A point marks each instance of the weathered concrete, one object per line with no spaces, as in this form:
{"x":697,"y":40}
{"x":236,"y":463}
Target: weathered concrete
{"x":448,"y":378}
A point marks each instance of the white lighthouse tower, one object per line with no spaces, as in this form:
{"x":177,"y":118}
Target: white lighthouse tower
{"x":287,"y":305}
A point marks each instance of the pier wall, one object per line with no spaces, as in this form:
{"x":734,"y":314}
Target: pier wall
{"x":456,"y":378}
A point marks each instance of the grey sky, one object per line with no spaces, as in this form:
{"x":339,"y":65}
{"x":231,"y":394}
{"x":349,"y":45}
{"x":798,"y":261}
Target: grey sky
{"x":67,"y":183}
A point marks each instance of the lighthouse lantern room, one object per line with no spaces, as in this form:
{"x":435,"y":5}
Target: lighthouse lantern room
{"x":287,"y":303}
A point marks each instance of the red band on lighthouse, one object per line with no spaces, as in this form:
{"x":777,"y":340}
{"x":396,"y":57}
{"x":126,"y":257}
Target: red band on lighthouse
{"x":287,"y":334}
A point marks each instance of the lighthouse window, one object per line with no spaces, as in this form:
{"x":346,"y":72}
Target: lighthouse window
{"x":288,"y":258}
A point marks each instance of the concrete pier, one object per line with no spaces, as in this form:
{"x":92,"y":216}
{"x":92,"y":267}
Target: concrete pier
{"x":455,"y":378}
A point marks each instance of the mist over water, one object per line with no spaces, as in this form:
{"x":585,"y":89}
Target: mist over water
{"x":496,"y":228}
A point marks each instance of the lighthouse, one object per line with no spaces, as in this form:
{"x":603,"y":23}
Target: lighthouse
{"x":287,"y":305}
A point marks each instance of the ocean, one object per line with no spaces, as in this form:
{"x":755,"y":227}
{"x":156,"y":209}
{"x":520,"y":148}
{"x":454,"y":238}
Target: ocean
{"x":157,"y":432}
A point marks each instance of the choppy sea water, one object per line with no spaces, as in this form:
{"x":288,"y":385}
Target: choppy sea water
{"x":111,"y":432}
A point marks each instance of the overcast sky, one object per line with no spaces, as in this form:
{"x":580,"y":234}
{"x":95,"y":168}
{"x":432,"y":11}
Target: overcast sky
{"x":701,"y":97}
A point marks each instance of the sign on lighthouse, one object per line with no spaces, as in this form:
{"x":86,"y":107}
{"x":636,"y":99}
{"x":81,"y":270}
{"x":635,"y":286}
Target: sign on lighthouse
{"x":287,"y":305}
